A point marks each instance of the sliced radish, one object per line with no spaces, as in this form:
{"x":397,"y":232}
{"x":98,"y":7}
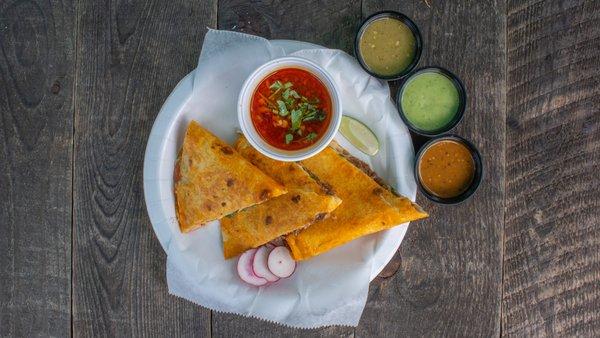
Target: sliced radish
{"x":245,"y":271}
{"x":281,"y":263}
{"x":260,"y":265}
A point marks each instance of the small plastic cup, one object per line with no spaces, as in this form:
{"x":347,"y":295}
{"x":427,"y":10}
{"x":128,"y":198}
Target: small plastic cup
{"x":405,"y":20}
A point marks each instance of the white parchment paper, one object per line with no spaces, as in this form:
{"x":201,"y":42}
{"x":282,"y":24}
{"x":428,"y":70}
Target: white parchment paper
{"x":330,"y":289}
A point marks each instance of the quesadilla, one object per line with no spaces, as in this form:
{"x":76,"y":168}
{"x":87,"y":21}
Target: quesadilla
{"x":212,"y":180}
{"x":306,"y":202}
{"x":368,"y":206}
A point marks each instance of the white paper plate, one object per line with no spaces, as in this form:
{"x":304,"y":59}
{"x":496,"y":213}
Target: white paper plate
{"x":167,"y":135}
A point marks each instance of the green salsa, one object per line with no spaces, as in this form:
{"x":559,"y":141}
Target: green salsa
{"x":430,"y":101}
{"x":387,"y":46}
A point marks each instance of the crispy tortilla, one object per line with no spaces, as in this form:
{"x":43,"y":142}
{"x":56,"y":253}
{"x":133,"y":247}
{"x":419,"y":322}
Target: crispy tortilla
{"x":212,"y":180}
{"x":306,"y":202}
{"x":368,"y":206}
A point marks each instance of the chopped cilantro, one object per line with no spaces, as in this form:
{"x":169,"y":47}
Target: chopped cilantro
{"x":282,"y":108}
{"x":296,"y":118}
{"x":311,"y":136}
{"x":276,"y":85}
{"x":289,"y":138}
{"x":289,"y":104}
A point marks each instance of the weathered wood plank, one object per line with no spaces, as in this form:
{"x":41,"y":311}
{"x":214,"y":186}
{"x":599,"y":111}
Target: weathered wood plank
{"x":330,"y":23}
{"x":129,"y":57}
{"x":449,"y":277}
{"x":327,"y":22}
{"x":36,"y":135}
{"x":552,"y":249}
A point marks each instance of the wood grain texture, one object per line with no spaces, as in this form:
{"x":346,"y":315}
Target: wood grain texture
{"x":82,"y":81}
{"x":552,"y":249}
{"x":130,"y":55}
{"x":327,"y":22}
{"x":36,"y":135}
{"x":449,"y":276}
{"x":331,"y":23}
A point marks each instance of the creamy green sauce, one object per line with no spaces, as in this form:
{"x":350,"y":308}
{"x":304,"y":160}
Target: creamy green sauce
{"x":387,"y":46}
{"x":430,"y":101}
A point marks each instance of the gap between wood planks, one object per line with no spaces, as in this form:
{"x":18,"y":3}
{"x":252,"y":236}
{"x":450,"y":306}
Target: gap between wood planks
{"x":73,"y":190}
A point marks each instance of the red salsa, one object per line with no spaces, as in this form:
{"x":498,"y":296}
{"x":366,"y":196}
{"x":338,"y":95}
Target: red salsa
{"x":291,"y":109}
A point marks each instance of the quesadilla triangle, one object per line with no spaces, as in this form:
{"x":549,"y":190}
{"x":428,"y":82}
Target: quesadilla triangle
{"x":212,"y":180}
{"x":368,"y":206}
{"x":306,"y":202}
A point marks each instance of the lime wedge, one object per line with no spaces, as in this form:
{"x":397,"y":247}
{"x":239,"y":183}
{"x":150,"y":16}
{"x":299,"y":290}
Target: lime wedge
{"x":359,"y":135}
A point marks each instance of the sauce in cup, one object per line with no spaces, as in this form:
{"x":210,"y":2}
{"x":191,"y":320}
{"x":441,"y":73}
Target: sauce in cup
{"x":388,"y":45}
{"x":291,"y":109}
{"x":431,"y":101}
{"x":448,"y":169}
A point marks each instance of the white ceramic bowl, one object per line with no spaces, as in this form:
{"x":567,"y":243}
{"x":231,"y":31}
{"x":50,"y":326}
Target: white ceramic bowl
{"x":245,"y":98}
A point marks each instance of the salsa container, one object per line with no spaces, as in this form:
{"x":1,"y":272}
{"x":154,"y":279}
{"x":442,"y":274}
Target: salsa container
{"x":245,"y":120}
{"x":462,"y":96}
{"x":409,"y":23}
{"x":476,"y":178}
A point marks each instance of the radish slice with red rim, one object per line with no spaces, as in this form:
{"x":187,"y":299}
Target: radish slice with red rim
{"x":260,"y":265}
{"x":281,"y":263}
{"x":245,"y":270}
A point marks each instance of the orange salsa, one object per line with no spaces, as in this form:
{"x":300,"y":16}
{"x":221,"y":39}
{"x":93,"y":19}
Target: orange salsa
{"x":291,"y":109}
{"x":446,"y":169}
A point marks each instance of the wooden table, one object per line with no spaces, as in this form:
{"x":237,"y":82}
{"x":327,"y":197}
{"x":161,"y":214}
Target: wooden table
{"x":82,"y":81}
